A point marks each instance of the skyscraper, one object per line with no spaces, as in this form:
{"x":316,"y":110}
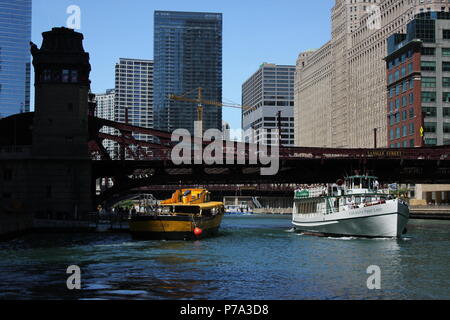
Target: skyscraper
{"x":188,"y":56}
{"x":134,"y":91}
{"x":418,"y":73}
{"x":340,"y":95}
{"x":15,"y":36}
{"x":269,"y":91}
{"x":106,"y":110}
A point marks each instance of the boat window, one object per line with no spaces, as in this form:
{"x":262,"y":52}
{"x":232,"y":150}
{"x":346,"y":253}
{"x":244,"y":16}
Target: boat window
{"x":165,"y":210}
{"x":187,"y":209}
{"x":188,"y":192}
{"x":358,"y":200}
{"x":365,"y":183}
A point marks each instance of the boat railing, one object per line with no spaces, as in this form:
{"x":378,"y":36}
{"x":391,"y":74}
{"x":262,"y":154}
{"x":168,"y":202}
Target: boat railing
{"x":310,"y":193}
{"x":335,"y":204}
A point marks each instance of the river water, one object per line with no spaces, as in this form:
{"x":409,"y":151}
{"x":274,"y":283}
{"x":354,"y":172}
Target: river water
{"x":254,"y":257}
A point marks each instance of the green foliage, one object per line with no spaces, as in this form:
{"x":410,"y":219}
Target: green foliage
{"x":128,"y":204}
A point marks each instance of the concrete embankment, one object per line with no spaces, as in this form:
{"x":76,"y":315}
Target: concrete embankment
{"x":282,"y":211}
{"x":430,"y":212}
{"x":13,"y":225}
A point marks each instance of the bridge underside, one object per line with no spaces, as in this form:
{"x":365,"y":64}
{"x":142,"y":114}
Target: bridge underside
{"x":296,"y":171}
{"x":132,"y":175}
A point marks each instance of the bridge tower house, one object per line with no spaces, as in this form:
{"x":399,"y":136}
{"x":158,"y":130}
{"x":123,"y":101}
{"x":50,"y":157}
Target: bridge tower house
{"x":62,"y":179}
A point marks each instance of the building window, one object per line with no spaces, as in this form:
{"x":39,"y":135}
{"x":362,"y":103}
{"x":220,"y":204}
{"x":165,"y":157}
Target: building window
{"x":429,"y":82}
{"x":410,"y":68}
{"x":405,"y":131}
{"x":47,"y":75}
{"x":430,"y":127}
{"x":446,"y":96}
{"x":412,"y":143}
{"x":428,"y":66}
{"x":412,"y":129}
{"x":431,"y":142}
{"x":390,"y":65}
{"x":446,"y":34}
{"x":428,"y":51}
{"x":446,"y":52}
{"x":446,"y":112}
{"x":428,"y":96}
{"x":65,"y":76}
{"x":392,"y":92}
{"x":411,"y":113}
{"x":74,"y":76}
{"x":446,"y":127}
{"x":446,"y":66}
{"x":446,"y":82}
{"x":429,"y":111}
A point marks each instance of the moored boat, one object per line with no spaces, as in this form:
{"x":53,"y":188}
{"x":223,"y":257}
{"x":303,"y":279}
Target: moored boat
{"x":238,"y":210}
{"x":355,"y":207}
{"x":188,"y":215}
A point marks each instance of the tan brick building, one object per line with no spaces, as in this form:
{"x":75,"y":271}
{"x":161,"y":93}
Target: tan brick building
{"x":340,"y":90}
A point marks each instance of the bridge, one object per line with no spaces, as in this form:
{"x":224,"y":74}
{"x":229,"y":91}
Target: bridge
{"x":52,"y":159}
{"x":148,"y":164}
{"x":144,"y":164}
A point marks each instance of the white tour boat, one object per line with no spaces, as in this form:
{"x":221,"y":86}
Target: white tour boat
{"x":355,"y":207}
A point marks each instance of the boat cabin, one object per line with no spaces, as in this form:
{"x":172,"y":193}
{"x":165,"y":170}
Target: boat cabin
{"x":361,"y":184}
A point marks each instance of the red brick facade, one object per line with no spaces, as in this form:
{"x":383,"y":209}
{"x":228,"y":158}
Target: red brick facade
{"x":404,"y":105}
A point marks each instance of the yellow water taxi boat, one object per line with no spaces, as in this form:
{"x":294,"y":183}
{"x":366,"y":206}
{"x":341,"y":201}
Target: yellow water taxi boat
{"x":188,"y":215}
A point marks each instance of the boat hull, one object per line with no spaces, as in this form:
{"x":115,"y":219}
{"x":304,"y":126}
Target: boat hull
{"x":173,"y":227}
{"x":382,"y":221}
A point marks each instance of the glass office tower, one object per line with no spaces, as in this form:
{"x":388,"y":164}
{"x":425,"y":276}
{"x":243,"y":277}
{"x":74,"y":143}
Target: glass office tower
{"x":15,"y":36}
{"x":188,"y":55}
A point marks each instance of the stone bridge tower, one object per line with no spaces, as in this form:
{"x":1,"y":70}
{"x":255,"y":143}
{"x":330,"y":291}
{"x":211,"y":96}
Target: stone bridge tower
{"x":62,"y":179}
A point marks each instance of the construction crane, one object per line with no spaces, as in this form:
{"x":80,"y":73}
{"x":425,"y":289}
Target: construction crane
{"x":202,"y":102}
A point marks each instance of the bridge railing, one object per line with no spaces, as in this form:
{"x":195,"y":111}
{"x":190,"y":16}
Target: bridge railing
{"x":162,"y":151}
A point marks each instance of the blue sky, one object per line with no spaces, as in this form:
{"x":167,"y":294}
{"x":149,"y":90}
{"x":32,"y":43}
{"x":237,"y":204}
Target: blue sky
{"x":255,"y":31}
